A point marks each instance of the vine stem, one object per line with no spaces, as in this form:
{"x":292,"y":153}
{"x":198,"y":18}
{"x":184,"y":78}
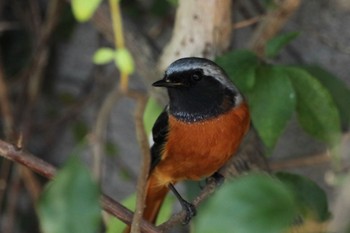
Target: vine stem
{"x":118,"y":32}
{"x":117,"y":23}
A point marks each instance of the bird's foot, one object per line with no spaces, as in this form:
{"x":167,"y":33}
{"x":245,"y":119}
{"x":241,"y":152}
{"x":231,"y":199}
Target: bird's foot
{"x":190,"y":211}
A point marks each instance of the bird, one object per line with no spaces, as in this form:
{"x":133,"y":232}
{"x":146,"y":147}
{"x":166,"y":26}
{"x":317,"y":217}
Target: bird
{"x":199,"y":130}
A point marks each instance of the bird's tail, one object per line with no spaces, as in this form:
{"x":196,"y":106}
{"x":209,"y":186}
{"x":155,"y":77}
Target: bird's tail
{"x":155,"y":196}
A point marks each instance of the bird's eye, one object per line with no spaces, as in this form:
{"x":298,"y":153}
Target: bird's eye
{"x":196,"y":77}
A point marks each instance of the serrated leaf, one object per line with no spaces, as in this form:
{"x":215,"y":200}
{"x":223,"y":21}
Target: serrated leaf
{"x":103,"y":56}
{"x":249,"y":204}
{"x":274,"y":46}
{"x":70,"y":203}
{"x":272,"y":103}
{"x":124,"y":61}
{"x":84,"y":9}
{"x":338,"y":89}
{"x":151,"y":113}
{"x":240,"y":66}
{"x":116,"y":226}
{"x":317,"y":112}
{"x":311,"y":200}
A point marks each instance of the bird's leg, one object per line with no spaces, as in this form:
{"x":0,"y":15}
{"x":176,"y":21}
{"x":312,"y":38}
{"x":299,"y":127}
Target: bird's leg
{"x":188,"y":207}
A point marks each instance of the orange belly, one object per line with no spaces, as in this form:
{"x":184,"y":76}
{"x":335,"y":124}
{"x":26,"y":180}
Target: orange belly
{"x":197,"y":150}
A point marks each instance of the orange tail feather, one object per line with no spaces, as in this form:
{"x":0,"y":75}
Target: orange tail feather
{"x":155,"y":196}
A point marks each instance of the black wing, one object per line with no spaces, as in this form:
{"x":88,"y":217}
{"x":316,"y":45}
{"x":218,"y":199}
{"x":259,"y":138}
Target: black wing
{"x":159,"y":132}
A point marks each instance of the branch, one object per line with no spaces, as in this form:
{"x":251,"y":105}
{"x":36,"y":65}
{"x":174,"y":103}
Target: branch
{"x":98,"y":135}
{"x":271,"y":24}
{"x":145,"y":160}
{"x":202,"y":29}
{"x":45,"y":169}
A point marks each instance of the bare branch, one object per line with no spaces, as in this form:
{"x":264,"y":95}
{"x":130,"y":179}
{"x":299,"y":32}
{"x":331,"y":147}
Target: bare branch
{"x":98,"y":136}
{"x":271,"y":24}
{"x":205,"y":34}
{"x":145,"y":160}
{"x":45,"y":169}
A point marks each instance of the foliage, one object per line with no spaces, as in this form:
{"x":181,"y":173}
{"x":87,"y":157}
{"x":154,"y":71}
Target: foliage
{"x":261,"y":203}
{"x":252,"y":203}
{"x":274,"y":46}
{"x":84,"y":9}
{"x":274,"y":92}
{"x":70,"y":203}
{"x":310,"y":199}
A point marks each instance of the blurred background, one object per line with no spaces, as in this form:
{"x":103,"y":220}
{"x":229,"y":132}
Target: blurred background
{"x":51,"y":91}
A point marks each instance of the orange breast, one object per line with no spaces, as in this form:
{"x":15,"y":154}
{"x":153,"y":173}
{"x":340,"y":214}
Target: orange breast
{"x":196,"y":150}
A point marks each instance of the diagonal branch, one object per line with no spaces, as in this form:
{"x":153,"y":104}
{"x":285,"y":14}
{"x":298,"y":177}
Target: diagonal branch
{"x":45,"y":169}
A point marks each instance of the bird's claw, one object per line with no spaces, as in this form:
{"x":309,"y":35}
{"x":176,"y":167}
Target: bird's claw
{"x":190,"y":212}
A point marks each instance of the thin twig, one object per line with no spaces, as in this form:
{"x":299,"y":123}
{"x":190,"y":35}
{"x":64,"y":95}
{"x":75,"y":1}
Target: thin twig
{"x":7,"y":116}
{"x":117,"y":23}
{"x":305,"y":161}
{"x":45,"y":169}
{"x":145,"y":160}
{"x":272,"y":24}
{"x":119,"y":40}
{"x":5,"y":106}
{"x":248,"y":22}
{"x":12,"y":201}
{"x":98,"y":136}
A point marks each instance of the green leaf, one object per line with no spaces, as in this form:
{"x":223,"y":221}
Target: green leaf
{"x":274,"y":46}
{"x":249,"y":204}
{"x":338,"y":89}
{"x":240,"y":67}
{"x":115,"y":226}
{"x":272,"y":103}
{"x":103,"y":56}
{"x":70,"y":202}
{"x":317,"y":112}
{"x":124,"y":61}
{"x":84,"y":9}
{"x":152,"y":111}
{"x":310,"y":199}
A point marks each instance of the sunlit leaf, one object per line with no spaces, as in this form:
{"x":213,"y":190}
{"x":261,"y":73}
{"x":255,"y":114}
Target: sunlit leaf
{"x":84,"y":9}
{"x":103,"y":56}
{"x":274,"y":46}
{"x":250,"y":204}
{"x":272,"y":103}
{"x":124,"y":61}
{"x":317,"y":112}
{"x":70,"y":203}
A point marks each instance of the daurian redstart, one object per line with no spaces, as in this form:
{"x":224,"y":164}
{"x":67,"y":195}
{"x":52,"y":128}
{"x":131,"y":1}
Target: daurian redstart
{"x":198,"y":131}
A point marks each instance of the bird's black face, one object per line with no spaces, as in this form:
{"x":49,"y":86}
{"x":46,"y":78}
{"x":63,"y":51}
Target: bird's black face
{"x":198,"y":89}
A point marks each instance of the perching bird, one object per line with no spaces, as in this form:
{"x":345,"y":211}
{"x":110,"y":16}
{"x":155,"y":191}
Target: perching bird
{"x":198,"y":132}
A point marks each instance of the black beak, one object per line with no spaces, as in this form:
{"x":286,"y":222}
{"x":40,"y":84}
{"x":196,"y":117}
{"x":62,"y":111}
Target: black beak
{"x":167,"y":83}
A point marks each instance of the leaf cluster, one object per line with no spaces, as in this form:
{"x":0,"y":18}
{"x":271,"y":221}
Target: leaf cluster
{"x":276,"y":92}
